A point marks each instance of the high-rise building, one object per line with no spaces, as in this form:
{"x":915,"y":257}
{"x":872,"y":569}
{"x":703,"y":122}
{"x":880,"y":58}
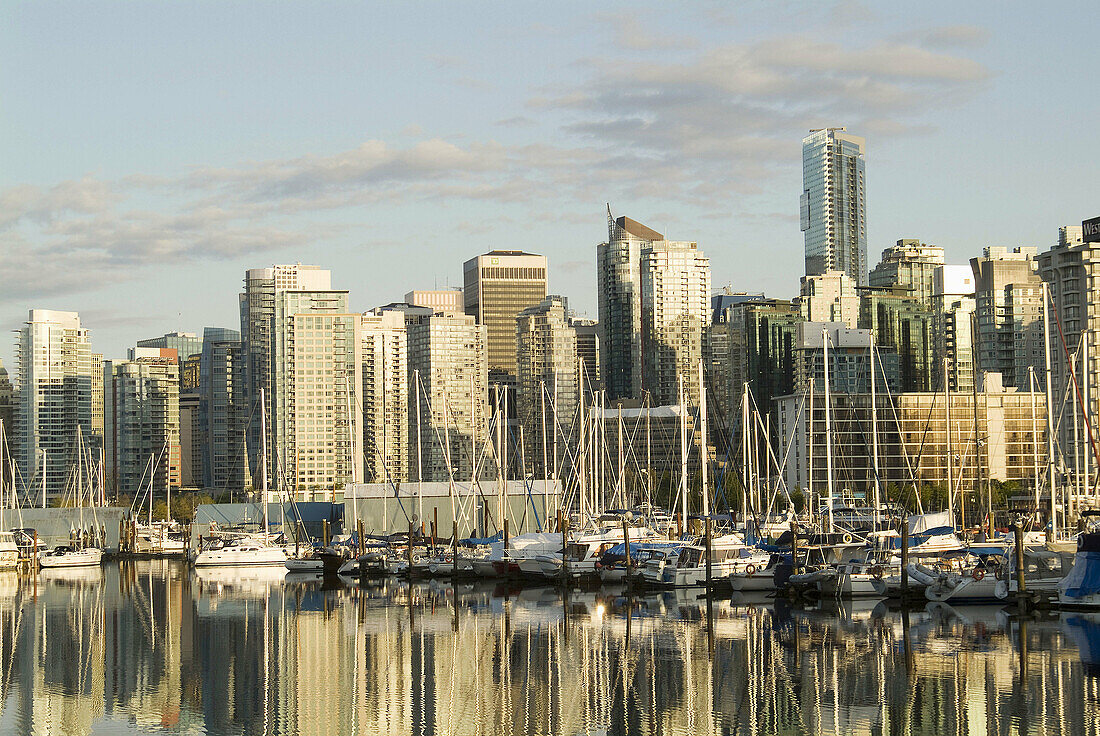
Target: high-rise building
{"x":725,"y":349}
{"x":762,"y":337}
{"x":142,"y":433}
{"x":222,"y":417}
{"x":830,"y":297}
{"x":1071,"y":269}
{"x":54,"y":400}
{"x":448,"y":408}
{"x":386,"y":384}
{"x":497,"y":287}
{"x":439,"y":300}
{"x":317,"y":392}
{"x":190,"y":440}
{"x":834,"y":204}
{"x":909,"y":265}
{"x":546,"y":379}
{"x":619,"y":287}
{"x":675,"y":316}
{"x":257,"y":308}
{"x":1008,"y":300}
{"x":901,"y":323}
{"x":952,"y":326}
{"x":588,"y":353}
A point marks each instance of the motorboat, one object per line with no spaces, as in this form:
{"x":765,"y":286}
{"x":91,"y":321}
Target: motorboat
{"x":9,"y":551}
{"x":159,"y":539}
{"x":728,"y":553}
{"x":242,"y":551}
{"x":70,"y":556}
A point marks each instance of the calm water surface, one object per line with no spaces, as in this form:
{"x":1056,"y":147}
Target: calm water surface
{"x":153,"y":647}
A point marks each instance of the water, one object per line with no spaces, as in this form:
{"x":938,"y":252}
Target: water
{"x":153,"y":647}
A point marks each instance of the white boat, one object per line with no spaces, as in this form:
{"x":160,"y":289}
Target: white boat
{"x":70,"y":557}
{"x":240,"y":552}
{"x":159,"y":539}
{"x":857,"y":578}
{"x":754,"y":578}
{"x":9,"y":551}
{"x":728,"y":553}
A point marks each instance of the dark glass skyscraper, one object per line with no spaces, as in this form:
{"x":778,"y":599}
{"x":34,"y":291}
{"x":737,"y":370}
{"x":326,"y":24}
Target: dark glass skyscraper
{"x":834,"y":204}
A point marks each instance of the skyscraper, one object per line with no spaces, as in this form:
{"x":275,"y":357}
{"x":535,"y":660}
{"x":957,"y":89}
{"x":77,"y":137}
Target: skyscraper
{"x":1008,"y":296}
{"x":675,"y":315}
{"x":834,"y":205}
{"x":141,"y":411}
{"x":385,"y":396}
{"x":222,"y":412}
{"x":619,"y":286}
{"x":498,"y":286}
{"x":830,"y":297}
{"x":1070,"y":269}
{"x":257,"y":307}
{"x":185,"y":344}
{"x":546,"y":362}
{"x":588,"y":353}
{"x":448,"y":409}
{"x":54,"y":399}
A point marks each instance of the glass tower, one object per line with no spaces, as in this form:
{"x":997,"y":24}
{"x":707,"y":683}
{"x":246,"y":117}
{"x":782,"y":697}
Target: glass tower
{"x":834,"y":204}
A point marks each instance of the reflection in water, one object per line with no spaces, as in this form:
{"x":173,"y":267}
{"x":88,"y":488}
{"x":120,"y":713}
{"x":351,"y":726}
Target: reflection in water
{"x":150,"y":646}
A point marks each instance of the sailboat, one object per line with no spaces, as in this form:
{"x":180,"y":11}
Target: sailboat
{"x":158,"y":538}
{"x":83,"y":549}
{"x":252,"y":550}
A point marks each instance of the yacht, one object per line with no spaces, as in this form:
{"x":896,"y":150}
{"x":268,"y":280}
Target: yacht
{"x":242,"y":551}
{"x":728,"y":554}
{"x":69,"y":556}
{"x":9,"y":551}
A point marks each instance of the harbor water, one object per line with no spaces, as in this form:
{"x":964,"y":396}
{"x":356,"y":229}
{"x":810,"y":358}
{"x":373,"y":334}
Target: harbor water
{"x":155,"y":647}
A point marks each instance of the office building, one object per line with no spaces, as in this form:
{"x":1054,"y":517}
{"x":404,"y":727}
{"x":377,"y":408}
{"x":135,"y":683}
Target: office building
{"x":190,"y":441}
{"x":498,"y":286}
{"x":830,"y":297}
{"x":448,"y":408}
{"x":142,"y":433}
{"x":386,"y":386}
{"x":833,"y":210}
{"x":546,"y":381}
{"x":1008,"y":303}
{"x":54,"y":400}
{"x":953,"y":309}
{"x":910,"y":265}
{"x":675,"y":316}
{"x":448,"y":300}
{"x":619,"y":291}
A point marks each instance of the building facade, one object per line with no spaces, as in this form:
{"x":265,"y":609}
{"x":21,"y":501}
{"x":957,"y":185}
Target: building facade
{"x":54,"y":400}
{"x":141,"y":409}
{"x":675,"y":317}
{"x":448,"y":407}
{"x":547,"y":384}
{"x":439,"y":300}
{"x":953,"y":308}
{"x":498,"y":286}
{"x":619,"y":293}
{"x":222,"y":418}
{"x":830,"y":297}
{"x":589,"y":354}
{"x":909,"y":265}
{"x":1008,"y":304}
{"x":386,"y":386}
{"x":833,"y":211}
{"x":902,"y":324}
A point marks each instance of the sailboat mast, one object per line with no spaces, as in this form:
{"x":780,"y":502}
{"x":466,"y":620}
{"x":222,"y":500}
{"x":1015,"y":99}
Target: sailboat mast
{"x":947,"y":418}
{"x":683,"y":456}
{"x":703,"y":445}
{"x":828,"y":427}
{"x":874,"y":436}
{"x":1050,"y":414}
{"x":263,"y":457}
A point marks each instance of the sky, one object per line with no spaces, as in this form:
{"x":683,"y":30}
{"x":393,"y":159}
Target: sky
{"x":151,"y":152}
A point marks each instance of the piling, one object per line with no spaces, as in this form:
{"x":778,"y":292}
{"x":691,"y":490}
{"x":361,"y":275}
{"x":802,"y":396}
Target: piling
{"x":409,"y":558}
{"x":706,"y":534}
{"x":454,"y":558}
{"x":794,"y":545}
{"x":1021,"y":583}
{"x":362,"y":542}
{"x":325,"y":532}
{"x":505,"y":534}
{"x":626,"y":544}
{"x":563,"y":523}
{"x":904,"y":558}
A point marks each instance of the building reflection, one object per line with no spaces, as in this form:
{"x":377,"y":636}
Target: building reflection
{"x":149,"y":645}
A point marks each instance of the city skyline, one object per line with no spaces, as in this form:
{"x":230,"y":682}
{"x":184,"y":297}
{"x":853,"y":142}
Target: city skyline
{"x":173,"y":196}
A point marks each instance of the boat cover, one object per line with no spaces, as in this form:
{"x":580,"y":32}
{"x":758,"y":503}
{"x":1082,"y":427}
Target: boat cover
{"x":1083,"y":578}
